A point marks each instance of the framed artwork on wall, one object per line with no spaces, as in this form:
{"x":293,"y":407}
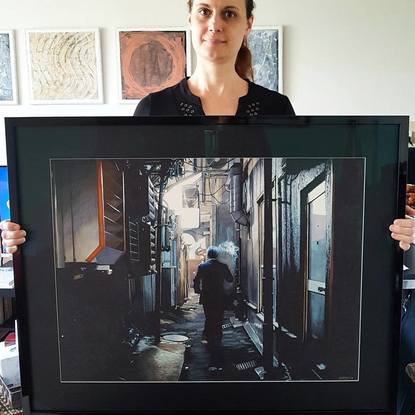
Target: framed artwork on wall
{"x":64,"y":66}
{"x":266,"y":45}
{"x":122,"y":215}
{"x":151,"y":59}
{"x":8,"y":80}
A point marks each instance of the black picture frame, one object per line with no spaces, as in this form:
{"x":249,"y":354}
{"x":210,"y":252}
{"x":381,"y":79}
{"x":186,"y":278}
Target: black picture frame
{"x":380,"y":141}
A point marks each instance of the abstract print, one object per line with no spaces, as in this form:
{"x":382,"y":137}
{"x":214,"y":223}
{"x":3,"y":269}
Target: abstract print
{"x":264,"y":46}
{"x":6,"y":79}
{"x":151,"y":61}
{"x":64,"y":66}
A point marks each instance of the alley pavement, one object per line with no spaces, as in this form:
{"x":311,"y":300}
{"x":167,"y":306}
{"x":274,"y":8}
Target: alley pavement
{"x":235,"y":360}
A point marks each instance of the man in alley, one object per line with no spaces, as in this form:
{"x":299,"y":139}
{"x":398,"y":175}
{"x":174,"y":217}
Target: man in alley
{"x":209,"y":283}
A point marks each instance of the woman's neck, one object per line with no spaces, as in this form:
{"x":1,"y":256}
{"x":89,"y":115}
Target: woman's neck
{"x":217,"y":81}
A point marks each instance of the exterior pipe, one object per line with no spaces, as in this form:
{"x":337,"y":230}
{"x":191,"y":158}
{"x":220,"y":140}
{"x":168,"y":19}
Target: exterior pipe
{"x":158,"y":254}
{"x":268,"y":342}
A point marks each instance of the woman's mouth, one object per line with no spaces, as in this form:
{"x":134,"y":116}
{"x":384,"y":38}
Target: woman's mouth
{"x":215,"y":41}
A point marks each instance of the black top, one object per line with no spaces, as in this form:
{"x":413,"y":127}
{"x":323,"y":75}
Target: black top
{"x":209,"y":280}
{"x":178,"y":100}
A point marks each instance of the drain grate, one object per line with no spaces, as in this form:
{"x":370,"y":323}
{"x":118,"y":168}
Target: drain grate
{"x":246,"y":365}
{"x":226,"y":325}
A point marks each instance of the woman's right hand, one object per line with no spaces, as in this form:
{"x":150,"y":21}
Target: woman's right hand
{"x":12,"y":235}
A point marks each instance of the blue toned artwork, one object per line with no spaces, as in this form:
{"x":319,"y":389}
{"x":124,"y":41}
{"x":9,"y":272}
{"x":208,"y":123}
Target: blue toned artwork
{"x":264,"y":46}
{"x":6,"y":81}
{"x":4,"y":194}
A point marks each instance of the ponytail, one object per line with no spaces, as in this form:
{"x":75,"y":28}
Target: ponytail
{"x":243,"y":64}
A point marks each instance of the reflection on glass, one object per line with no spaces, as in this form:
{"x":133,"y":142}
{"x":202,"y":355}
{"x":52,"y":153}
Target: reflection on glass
{"x":317,"y":239}
{"x":316,"y":316}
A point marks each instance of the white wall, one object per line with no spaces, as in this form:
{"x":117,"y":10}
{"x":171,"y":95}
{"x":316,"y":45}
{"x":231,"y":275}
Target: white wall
{"x":340,"y":56}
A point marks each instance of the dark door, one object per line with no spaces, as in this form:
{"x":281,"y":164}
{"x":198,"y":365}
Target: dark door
{"x":315,"y":324}
{"x":316,"y":267}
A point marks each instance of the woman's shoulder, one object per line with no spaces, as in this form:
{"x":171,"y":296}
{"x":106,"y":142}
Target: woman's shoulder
{"x":158,"y":103}
{"x":272,"y":102}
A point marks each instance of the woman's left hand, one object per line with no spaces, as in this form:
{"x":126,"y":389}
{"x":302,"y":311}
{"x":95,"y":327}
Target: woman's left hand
{"x":403,"y":230}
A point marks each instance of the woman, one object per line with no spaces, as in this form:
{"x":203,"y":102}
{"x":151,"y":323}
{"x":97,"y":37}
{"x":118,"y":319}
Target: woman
{"x":219,"y":86}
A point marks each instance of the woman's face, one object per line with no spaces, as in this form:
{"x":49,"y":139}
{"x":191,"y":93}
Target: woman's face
{"x":218,"y":28}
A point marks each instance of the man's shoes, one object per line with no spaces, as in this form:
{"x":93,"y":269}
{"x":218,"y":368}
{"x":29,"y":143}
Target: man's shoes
{"x":204,"y":341}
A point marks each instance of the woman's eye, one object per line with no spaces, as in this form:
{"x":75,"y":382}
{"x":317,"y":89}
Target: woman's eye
{"x":203,"y":12}
{"x":229,"y":14}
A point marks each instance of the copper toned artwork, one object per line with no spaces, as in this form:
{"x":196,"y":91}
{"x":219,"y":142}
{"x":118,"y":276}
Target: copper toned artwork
{"x":150,"y":61}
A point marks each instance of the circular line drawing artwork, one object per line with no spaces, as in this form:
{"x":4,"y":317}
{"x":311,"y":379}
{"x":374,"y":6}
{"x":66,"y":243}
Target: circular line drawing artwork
{"x":151,"y":61}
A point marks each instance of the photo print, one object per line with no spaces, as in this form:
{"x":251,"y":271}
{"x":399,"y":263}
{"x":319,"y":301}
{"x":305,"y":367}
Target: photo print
{"x":134,"y":237}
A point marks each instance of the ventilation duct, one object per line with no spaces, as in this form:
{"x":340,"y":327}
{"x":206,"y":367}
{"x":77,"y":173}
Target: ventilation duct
{"x":235,"y":203}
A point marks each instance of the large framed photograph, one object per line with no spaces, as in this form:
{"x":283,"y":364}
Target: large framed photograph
{"x":64,"y":66}
{"x":239,"y":260}
{"x":151,"y":59}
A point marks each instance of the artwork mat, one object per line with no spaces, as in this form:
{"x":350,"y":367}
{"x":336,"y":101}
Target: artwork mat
{"x":393,"y":286}
{"x":13,"y":68}
{"x":98,"y":68}
{"x":280,"y":33}
{"x":188,"y":53}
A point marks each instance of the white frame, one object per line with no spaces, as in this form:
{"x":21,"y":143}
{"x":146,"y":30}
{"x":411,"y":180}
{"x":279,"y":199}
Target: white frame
{"x":14,"y":100}
{"x":99,"y":100}
{"x":280,"y":31}
{"x":150,"y":29}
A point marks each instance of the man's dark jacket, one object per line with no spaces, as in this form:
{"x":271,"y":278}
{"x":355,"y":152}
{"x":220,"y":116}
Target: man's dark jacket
{"x":209,"y":280}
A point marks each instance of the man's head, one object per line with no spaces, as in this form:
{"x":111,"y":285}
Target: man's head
{"x":212,"y":252}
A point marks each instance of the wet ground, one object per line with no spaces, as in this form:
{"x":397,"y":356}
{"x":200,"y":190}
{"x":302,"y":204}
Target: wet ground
{"x":235,"y":360}
{"x":190,"y":360}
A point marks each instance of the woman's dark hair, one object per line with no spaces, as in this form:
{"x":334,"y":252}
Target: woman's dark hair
{"x":243,"y":64}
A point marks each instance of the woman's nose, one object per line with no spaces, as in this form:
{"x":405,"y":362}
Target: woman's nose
{"x":215,"y":24}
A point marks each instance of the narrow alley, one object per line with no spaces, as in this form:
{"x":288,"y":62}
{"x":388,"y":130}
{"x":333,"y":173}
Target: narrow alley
{"x":139,"y":231}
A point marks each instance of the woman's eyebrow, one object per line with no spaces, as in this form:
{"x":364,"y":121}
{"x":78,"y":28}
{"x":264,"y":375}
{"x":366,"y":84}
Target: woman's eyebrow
{"x":208,"y":5}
